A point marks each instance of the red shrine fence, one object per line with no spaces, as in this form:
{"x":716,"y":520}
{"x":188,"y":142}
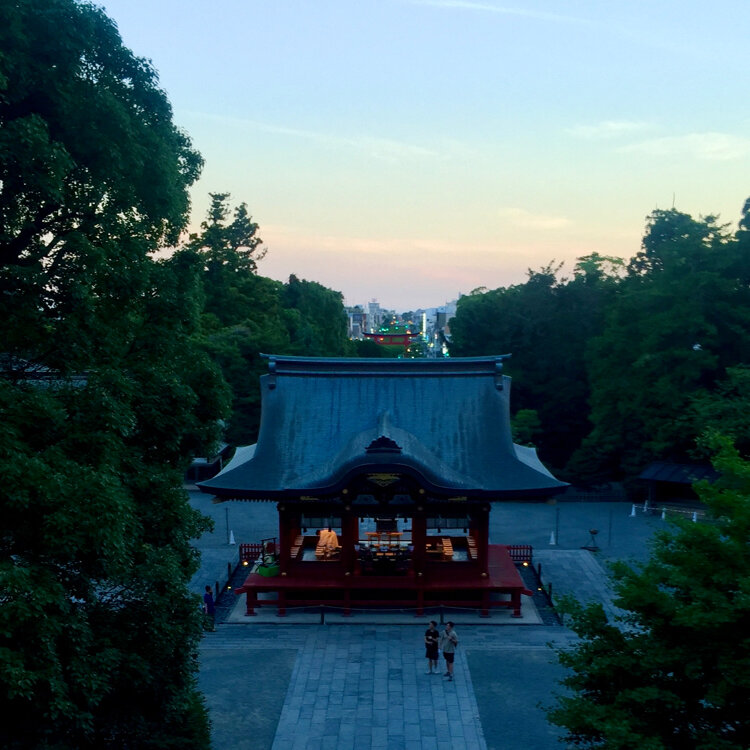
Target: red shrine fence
{"x":519,"y":553}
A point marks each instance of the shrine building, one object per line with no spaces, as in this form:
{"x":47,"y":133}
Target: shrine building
{"x":384,"y":472}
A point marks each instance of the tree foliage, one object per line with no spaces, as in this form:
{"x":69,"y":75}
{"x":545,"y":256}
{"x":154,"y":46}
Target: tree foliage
{"x":724,"y":409}
{"x":625,"y":363}
{"x":246,"y":314}
{"x":230,"y":251}
{"x":674,"y":672}
{"x":370,"y":348}
{"x":526,"y":427}
{"x":681,"y":318}
{"x":90,"y":164}
{"x":103,"y":395}
{"x":546,"y":323}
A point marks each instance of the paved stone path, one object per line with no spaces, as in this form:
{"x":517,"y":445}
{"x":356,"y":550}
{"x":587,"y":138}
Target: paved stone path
{"x":578,"y":573}
{"x":365,"y":688}
{"x":356,"y":688}
{"x":362,"y":687}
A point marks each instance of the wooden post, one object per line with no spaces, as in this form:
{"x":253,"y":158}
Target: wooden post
{"x":251,"y":600}
{"x":349,"y":534}
{"x":483,"y":539}
{"x":285,"y":547}
{"x":419,"y":536}
{"x":485,"y":603}
{"x":515,"y":599}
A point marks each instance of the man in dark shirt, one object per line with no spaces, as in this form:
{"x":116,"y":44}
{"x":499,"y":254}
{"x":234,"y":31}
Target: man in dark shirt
{"x":431,"y":637}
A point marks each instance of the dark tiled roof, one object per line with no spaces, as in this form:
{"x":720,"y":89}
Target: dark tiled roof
{"x":445,"y":421}
{"x":663,"y":471}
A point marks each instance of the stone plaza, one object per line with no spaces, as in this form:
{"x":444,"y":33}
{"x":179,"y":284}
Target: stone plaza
{"x":360,"y":682}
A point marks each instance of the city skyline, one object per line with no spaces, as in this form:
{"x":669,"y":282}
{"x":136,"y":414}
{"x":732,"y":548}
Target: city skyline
{"x":413,"y":150}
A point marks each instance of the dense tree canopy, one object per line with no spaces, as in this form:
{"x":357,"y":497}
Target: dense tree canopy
{"x":624,"y":363}
{"x":546,"y":323}
{"x":675,"y":671}
{"x":725,"y":409}
{"x":229,"y":251}
{"x":247,"y":314}
{"x":90,"y":165}
{"x":681,"y":318}
{"x":102,"y":394}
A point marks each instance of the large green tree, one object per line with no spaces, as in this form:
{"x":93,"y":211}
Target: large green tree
{"x":674,"y":672}
{"x":724,"y":408}
{"x":230,"y":251}
{"x":679,"y":320}
{"x":315,"y":319}
{"x":102,"y":393}
{"x":247,"y":314}
{"x":546,"y":323}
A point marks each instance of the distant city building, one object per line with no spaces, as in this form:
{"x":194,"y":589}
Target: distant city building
{"x":436,"y":328}
{"x":375,"y":315}
{"x":357,"y":321}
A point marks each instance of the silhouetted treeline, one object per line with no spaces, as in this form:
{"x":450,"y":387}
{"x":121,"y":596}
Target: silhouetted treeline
{"x":626,"y":362}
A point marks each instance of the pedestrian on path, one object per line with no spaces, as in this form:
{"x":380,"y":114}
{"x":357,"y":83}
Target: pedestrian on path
{"x":209,"y":609}
{"x":431,"y":637}
{"x":448,"y":643}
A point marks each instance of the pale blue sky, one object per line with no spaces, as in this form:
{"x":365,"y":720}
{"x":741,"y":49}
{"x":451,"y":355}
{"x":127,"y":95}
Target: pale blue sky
{"x":410,"y":150}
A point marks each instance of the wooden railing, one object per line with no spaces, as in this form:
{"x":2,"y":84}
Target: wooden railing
{"x":250,"y":552}
{"x":521,"y":553}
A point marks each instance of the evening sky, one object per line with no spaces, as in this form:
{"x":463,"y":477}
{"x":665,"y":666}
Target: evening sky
{"x":412,"y":150}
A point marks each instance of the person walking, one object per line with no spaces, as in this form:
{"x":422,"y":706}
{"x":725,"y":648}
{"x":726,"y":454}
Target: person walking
{"x":431,"y":637}
{"x":448,"y":643}
{"x":209,"y":608}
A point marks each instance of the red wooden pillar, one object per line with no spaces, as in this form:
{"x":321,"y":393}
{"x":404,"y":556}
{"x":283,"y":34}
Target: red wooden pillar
{"x":350,"y":537}
{"x":482,"y":520}
{"x":485,"y":603}
{"x":251,"y":600}
{"x":285,"y":547}
{"x":281,"y":612}
{"x":515,"y":599}
{"x":419,"y":537}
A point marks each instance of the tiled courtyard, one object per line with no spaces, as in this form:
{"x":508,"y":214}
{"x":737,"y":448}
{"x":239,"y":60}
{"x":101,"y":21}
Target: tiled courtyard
{"x":359,"y":683}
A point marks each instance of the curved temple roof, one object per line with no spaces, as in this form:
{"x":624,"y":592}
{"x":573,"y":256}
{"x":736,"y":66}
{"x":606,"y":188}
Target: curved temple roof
{"x":444,"y":421}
